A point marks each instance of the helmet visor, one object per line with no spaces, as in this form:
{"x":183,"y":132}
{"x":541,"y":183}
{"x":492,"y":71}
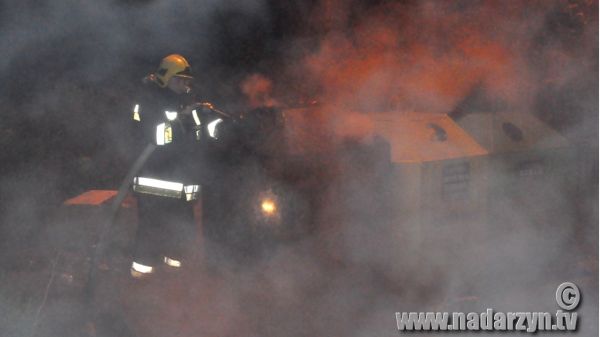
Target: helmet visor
{"x":186,"y":73}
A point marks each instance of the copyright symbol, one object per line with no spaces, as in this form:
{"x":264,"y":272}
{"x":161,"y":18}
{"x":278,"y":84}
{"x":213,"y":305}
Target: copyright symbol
{"x":568,"y":296}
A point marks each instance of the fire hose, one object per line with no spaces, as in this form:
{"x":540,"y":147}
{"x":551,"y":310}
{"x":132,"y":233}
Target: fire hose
{"x":90,"y":289}
{"x":112,"y":214}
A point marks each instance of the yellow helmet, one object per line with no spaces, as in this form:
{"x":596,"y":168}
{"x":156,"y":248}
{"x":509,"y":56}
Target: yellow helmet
{"x":172,"y":65}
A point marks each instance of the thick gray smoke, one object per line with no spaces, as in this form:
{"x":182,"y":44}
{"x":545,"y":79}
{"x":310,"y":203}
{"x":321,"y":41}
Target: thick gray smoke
{"x":70,"y":68}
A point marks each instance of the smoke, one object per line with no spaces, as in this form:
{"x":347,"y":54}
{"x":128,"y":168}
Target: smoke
{"x":442,"y":57}
{"x":70,"y":69}
{"x":428,"y":55}
{"x":258,"y":89}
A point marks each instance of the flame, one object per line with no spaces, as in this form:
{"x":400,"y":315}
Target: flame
{"x":429,"y":55}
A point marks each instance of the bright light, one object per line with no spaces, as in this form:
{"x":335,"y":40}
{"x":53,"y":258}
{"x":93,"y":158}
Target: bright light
{"x":191,"y":192}
{"x":160,"y":134}
{"x":136,"y":113}
{"x":191,"y":188}
{"x":268,"y":207}
{"x":196,"y":118}
{"x":212,"y":127}
{"x":162,"y":184}
{"x":158,"y":187}
{"x":172,"y":262}
{"x":171,"y":115}
{"x":164,"y":134}
{"x":140,"y":268}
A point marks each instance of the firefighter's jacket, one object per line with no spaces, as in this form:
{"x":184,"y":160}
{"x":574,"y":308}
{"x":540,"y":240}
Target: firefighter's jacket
{"x":181,"y":140}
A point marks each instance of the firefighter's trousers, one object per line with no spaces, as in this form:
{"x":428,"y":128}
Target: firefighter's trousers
{"x":165,"y":229}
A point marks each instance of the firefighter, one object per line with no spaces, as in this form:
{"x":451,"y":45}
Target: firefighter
{"x":168,"y":184}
